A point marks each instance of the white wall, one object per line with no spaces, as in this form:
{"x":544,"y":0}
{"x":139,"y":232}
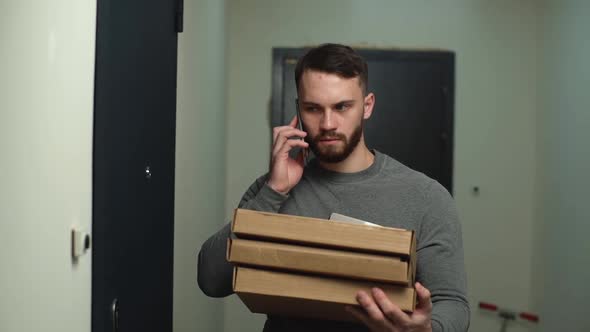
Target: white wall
{"x":46,"y":107}
{"x":563,"y":261}
{"x":495,"y":43}
{"x":200,"y":158}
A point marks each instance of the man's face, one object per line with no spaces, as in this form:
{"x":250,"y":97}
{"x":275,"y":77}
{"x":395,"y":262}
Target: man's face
{"x":332,"y":111}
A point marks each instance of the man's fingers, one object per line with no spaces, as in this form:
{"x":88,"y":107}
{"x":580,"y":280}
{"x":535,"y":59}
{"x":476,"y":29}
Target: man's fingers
{"x":391,"y":310}
{"x":291,"y":143}
{"x":424,"y":301}
{"x":291,"y":125}
{"x":277,"y":130}
{"x":361,"y":316}
{"x":293,"y":122}
{"x":283,"y":142}
{"x":287,"y":132}
{"x":284,"y":136}
{"x":370,"y":307}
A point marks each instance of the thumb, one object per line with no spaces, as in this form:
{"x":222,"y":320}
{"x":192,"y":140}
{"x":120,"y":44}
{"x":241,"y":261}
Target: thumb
{"x":424,"y":301}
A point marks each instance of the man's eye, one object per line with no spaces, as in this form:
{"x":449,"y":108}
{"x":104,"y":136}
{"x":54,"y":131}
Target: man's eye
{"x":342,"y":107}
{"x":311,"y":109}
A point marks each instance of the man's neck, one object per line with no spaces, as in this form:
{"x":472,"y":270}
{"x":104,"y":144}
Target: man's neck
{"x":359,"y":160}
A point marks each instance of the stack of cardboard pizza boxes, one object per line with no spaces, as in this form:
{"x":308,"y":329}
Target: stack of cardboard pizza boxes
{"x":306,"y":267}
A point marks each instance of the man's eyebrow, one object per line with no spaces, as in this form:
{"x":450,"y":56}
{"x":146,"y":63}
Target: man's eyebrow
{"x":351,"y":101}
{"x":310,"y":103}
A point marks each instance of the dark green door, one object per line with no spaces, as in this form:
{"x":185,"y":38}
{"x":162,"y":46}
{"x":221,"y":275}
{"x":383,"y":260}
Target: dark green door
{"x":133,"y":165}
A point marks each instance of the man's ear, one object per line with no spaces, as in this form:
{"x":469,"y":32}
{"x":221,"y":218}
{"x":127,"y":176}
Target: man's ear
{"x":368,"y":104}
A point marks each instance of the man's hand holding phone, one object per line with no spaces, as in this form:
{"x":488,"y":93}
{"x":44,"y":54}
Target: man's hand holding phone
{"x":284,"y":171}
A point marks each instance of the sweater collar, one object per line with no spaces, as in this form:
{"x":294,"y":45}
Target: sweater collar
{"x":324,"y":174}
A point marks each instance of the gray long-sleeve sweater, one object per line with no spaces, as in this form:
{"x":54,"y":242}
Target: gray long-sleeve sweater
{"x":387,"y":193}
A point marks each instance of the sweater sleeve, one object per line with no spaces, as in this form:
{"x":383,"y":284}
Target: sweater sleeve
{"x":214,"y":272}
{"x":440,"y":262}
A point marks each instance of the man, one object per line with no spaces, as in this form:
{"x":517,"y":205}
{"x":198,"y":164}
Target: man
{"x":348,"y":178}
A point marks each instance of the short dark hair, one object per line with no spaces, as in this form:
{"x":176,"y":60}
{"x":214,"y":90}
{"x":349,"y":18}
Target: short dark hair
{"x":336,"y":59}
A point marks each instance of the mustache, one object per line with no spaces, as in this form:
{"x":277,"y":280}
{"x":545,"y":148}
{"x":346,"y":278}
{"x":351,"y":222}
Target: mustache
{"x":330,"y":135}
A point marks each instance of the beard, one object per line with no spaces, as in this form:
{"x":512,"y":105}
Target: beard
{"x":337,"y":152}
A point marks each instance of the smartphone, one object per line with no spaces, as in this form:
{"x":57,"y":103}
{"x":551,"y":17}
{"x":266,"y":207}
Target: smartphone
{"x":296,"y":150}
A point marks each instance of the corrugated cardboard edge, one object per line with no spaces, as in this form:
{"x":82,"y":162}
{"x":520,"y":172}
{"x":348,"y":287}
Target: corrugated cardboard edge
{"x":413,"y":261}
{"x":327,"y":310}
{"x":235,"y":276}
{"x":233,"y":220}
{"x":245,"y":212}
{"x":228,"y":250}
{"x":266,"y":294}
{"x":412,"y":268}
{"x":237,"y":210}
{"x":237,"y":247}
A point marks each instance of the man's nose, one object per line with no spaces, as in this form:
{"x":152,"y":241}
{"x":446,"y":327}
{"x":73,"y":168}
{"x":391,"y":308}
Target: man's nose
{"x":328,"y":121}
